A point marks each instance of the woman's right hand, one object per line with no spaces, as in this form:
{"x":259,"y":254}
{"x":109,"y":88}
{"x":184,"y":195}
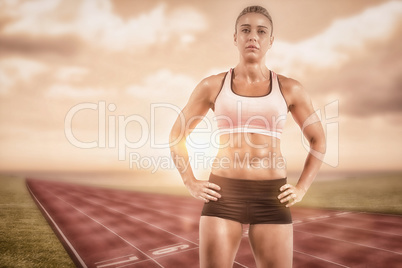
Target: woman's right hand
{"x":203,"y":190}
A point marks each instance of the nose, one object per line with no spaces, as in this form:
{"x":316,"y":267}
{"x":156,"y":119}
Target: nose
{"x":252,"y":36}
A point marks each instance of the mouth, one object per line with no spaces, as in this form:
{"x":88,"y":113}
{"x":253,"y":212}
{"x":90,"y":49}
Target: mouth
{"x":251,"y":47}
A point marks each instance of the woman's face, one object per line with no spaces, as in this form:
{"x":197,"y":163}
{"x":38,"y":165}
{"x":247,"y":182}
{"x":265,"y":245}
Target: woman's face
{"x":253,"y":37}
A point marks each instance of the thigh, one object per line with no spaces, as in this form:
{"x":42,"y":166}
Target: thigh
{"x":272,"y":244}
{"x":219,"y":241}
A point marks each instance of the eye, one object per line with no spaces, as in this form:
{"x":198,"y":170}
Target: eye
{"x":245,"y":30}
{"x":261,"y":31}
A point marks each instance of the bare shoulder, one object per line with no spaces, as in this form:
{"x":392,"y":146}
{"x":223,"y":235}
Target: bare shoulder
{"x":289,"y":85}
{"x":209,"y":87}
{"x":213,"y":82}
{"x":292,"y":90}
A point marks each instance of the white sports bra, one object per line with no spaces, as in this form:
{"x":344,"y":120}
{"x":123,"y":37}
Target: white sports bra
{"x":263,"y":114}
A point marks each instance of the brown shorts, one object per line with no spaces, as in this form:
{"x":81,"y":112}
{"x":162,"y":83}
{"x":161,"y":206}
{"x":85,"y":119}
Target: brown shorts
{"x":248,"y":201}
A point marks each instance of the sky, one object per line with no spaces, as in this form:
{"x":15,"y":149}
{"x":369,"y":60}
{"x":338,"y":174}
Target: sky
{"x":97,"y":85}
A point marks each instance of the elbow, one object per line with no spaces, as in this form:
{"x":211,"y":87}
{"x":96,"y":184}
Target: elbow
{"x":318,"y":148}
{"x":319,"y":144}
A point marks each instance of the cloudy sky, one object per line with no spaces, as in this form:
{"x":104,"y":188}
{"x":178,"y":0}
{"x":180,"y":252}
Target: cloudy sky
{"x":82,"y":81}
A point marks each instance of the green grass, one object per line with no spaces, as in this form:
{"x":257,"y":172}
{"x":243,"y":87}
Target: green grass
{"x":26,"y":240}
{"x":368,"y":193}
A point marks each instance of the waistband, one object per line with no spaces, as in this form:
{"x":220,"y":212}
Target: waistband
{"x":243,"y":189}
{"x":246,"y":129}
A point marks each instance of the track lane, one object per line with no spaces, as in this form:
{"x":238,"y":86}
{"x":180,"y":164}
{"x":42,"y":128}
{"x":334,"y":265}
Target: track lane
{"x":170,"y":223}
{"x":180,"y":216}
{"x":84,"y":234}
{"x":343,"y":252}
{"x":244,"y":256}
{"x":367,"y":238}
{"x":131,"y":229}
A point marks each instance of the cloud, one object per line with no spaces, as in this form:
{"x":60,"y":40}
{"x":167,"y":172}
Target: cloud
{"x":371,"y":86}
{"x":95,"y":22}
{"x":29,"y":8}
{"x":16,"y":69}
{"x":163,"y":85}
{"x":71,"y":73}
{"x":5,"y":83}
{"x":337,"y":44}
{"x":65,"y":77}
{"x":60,"y":90}
{"x":65,"y":45}
{"x":356,"y":60}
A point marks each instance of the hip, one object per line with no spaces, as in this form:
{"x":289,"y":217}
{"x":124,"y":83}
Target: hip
{"x":249,"y":201}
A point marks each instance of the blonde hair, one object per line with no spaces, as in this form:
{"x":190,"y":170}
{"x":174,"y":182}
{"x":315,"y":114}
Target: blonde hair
{"x":255,"y":9}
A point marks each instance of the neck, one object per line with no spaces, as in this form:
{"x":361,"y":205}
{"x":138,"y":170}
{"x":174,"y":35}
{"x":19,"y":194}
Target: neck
{"x":252,"y":71}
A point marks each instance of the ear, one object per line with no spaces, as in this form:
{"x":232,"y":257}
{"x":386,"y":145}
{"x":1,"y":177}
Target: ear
{"x":235,"y":39}
{"x":271,"y":41}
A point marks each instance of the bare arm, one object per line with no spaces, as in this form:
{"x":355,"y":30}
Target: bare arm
{"x":303,"y":113}
{"x":201,"y":100}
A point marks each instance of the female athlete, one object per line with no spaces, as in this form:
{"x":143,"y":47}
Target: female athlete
{"x":248,"y":184}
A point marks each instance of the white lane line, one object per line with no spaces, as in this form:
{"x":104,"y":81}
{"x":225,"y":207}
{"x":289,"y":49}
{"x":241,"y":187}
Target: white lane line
{"x":169,"y":246}
{"x":168,"y":254}
{"x":383,"y":214}
{"x":362,"y":229}
{"x":130,"y":259}
{"x":341,"y":214}
{"x":162,"y":256}
{"x":58,"y":229}
{"x":321,"y":258}
{"x":110,"y":230}
{"x":354,"y":213}
{"x":362,"y":245}
{"x":241,"y":264}
{"x":129,"y":202}
{"x":115,"y":258}
{"x":135,"y":218}
{"x":321,"y":218}
{"x":377,"y":218}
{"x":150,"y":209}
{"x":130,"y":216}
{"x":133,"y":263}
{"x":345,"y":213}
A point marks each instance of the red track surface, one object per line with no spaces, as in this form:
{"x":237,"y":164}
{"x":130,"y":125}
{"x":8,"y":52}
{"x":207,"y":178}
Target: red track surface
{"x":113,"y":228}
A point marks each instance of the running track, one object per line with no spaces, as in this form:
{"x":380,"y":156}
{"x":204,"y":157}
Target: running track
{"x":108,"y":228}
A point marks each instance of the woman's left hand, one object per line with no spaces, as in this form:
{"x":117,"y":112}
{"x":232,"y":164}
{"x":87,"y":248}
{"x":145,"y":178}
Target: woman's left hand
{"x":291,"y":193}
